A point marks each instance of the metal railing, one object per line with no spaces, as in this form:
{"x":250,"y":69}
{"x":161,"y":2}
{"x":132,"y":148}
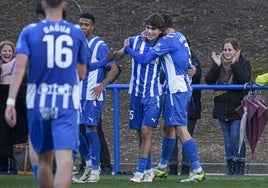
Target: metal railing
{"x":116,"y":90}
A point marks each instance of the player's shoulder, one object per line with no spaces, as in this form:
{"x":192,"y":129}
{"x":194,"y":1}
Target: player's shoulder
{"x":97,"y":38}
{"x":30,"y":27}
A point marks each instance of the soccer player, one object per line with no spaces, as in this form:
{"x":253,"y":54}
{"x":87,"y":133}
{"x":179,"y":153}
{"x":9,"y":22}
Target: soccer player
{"x":174,"y":53}
{"x":93,"y":93}
{"x":145,"y":96}
{"x":55,"y":54}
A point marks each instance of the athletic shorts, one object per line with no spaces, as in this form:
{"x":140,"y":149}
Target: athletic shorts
{"x":144,"y":111}
{"x":53,"y":129}
{"x":91,"y":112}
{"x":176,"y":109}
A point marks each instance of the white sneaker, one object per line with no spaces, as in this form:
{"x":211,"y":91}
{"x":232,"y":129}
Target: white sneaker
{"x":197,"y":177}
{"x":148,"y":176}
{"x":94,"y":177}
{"x":138,"y":177}
{"x":76,"y":180}
{"x":86,"y":174}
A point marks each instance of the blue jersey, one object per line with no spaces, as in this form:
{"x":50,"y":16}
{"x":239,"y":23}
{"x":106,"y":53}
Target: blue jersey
{"x":53,"y":49}
{"x":98,"y":50}
{"x":175,"y":56}
{"x":145,"y":80}
{"x":176,"y":61}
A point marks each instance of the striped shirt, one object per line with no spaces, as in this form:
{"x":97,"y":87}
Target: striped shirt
{"x":98,"y":50}
{"x":144,"y":80}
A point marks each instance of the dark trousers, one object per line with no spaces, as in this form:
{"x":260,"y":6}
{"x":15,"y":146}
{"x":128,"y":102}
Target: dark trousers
{"x":173,"y":160}
{"x":10,"y":136}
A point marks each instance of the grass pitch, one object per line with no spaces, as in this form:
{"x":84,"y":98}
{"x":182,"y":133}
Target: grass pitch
{"x":122,"y":181}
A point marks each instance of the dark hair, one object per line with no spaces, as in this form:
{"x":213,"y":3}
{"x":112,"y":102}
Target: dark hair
{"x":53,"y":3}
{"x":40,"y":10}
{"x":168,"y":20}
{"x":155,"y":20}
{"x":88,"y":16}
{"x":234,"y":42}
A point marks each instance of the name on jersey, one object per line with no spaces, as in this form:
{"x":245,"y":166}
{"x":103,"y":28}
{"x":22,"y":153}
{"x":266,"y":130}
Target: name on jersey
{"x":57,"y":28}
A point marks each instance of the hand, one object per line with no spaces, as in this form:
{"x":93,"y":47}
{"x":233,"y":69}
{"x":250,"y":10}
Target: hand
{"x":216,"y":58}
{"x":111,"y":56}
{"x":11,"y":115}
{"x":96,"y":91}
{"x":126,"y":42}
{"x":192,"y":71}
{"x":144,"y":35}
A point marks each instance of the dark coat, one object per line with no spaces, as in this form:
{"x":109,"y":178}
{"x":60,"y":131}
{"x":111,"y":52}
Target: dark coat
{"x":194,"y":110}
{"x":225,"y":104}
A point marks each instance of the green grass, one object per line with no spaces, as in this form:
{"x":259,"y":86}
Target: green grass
{"x":121,"y":181}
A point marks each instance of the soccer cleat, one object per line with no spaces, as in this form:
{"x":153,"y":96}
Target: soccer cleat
{"x":138,"y":177}
{"x":86,"y":174}
{"x":160,"y":172}
{"x":198,"y":177}
{"x":76,"y":180}
{"x":147,"y":177}
{"x":94,"y":177}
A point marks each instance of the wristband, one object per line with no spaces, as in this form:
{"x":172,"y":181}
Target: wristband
{"x":11,"y":101}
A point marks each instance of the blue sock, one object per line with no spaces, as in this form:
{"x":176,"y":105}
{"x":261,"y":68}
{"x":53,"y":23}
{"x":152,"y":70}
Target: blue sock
{"x":167,"y":148}
{"x":149,"y":163}
{"x":190,"y":149}
{"x":35,"y":172}
{"x":94,"y":144}
{"x":84,"y":148}
{"x":142,"y":164}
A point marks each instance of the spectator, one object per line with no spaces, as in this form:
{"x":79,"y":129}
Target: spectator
{"x":7,"y":161}
{"x":194,"y":113}
{"x":6,"y":61}
{"x":230,"y":67}
{"x":52,"y":101}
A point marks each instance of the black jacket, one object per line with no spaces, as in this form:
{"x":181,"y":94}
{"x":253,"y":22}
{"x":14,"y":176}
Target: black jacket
{"x":194,"y":110}
{"x":225,"y":105}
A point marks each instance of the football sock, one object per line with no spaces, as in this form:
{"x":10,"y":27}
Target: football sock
{"x":167,"y":148}
{"x":94,"y":144}
{"x":190,"y":149}
{"x":35,"y":172}
{"x":142,"y":164}
{"x":84,"y":148}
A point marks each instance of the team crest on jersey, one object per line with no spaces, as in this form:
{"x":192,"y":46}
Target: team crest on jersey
{"x":157,"y":47}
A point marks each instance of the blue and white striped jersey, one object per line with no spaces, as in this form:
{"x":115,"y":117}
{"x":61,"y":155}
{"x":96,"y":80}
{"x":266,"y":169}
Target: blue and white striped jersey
{"x":53,"y":49}
{"x":175,"y":57}
{"x":98,"y":50}
{"x":176,"y":61}
{"x":144,"y":80}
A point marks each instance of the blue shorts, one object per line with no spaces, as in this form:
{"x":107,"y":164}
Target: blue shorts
{"x":176,"y":109}
{"x":91,"y":112}
{"x":144,"y":111}
{"x":53,"y":129}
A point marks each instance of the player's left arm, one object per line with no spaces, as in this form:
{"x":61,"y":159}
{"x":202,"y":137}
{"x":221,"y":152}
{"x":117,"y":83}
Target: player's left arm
{"x":111,"y":75}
